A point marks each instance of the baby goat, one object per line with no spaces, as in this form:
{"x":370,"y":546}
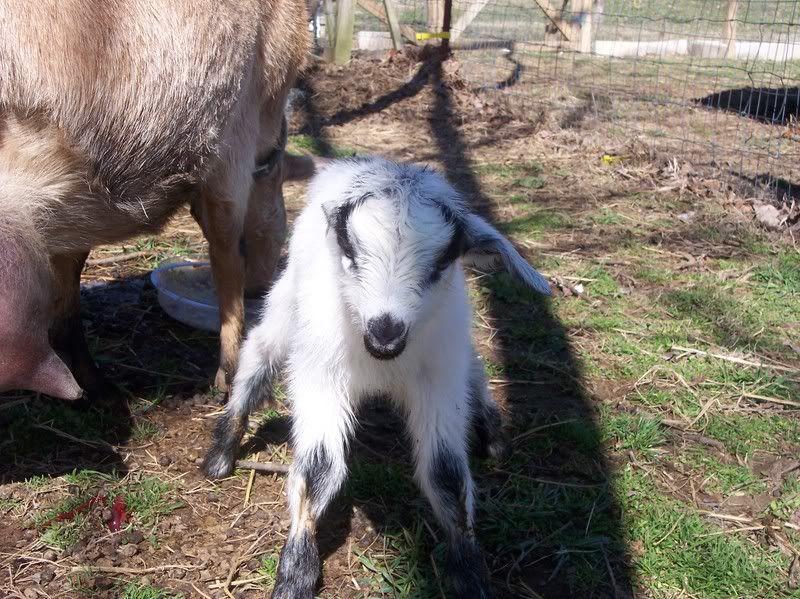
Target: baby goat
{"x":373,"y":302}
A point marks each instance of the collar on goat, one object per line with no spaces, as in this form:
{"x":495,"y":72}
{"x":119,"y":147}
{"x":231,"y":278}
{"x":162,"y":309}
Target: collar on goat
{"x":266,"y":166}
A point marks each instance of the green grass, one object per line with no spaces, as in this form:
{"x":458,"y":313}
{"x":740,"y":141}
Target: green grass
{"x":269,"y":568}
{"x":147,"y":500}
{"x":306,"y":144}
{"x":636,"y":432}
{"x":742,"y":434}
{"x":145,"y":431}
{"x":134,"y":590}
{"x":682,"y":551}
{"x":725,"y":478}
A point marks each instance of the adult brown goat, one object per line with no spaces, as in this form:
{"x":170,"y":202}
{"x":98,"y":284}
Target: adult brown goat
{"x":113,"y":115}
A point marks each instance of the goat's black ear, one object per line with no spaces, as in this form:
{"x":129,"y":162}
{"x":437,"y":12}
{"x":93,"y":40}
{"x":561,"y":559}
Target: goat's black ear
{"x":486,"y":249}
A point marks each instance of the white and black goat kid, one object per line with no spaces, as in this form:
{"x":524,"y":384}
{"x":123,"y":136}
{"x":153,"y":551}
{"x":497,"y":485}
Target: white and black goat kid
{"x":373,"y":302}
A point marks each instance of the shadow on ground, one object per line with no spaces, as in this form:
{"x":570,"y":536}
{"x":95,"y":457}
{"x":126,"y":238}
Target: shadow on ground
{"x":548,"y":520}
{"x":135,"y":346}
{"x":765,"y":104}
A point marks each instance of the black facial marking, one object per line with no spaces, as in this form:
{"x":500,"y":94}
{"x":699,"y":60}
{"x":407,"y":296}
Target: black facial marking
{"x":340,"y":220}
{"x":299,"y":568}
{"x":453,"y":250}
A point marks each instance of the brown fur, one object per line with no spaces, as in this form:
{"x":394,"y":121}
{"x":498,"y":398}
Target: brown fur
{"x":114,"y":113}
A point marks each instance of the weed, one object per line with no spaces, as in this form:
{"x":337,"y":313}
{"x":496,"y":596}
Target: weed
{"x":134,"y":590}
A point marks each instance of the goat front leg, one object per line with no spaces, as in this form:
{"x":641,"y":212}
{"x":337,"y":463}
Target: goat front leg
{"x":440,"y":424}
{"x":263,"y":351}
{"x":66,"y":333}
{"x":222,"y":220}
{"x":321,"y":427}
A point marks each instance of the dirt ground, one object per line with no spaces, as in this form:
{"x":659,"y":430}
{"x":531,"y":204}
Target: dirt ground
{"x":651,"y":403}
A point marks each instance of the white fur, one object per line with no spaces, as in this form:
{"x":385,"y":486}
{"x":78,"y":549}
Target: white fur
{"x":316,"y":316}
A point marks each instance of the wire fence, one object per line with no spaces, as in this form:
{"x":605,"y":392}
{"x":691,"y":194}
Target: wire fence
{"x":714,"y":82}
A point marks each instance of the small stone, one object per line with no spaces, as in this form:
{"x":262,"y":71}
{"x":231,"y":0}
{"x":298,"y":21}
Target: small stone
{"x":145,"y":581}
{"x":30,"y":593}
{"x":253,"y":565}
{"x":46,"y":575}
{"x":185,"y":410}
{"x":135,"y":537}
{"x":164,"y":461}
{"x":28,"y":534}
{"x":50,"y":555}
{"x":128,"y":550}
{"x":177,"y":573}
{"x":102,"y":583}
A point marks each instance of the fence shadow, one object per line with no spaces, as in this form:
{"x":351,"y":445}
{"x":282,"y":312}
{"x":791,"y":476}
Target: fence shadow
{"x":548,"y":516}
{"x":774,"y":106}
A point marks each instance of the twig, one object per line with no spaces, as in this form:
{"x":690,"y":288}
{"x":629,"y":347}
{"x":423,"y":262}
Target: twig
{"x":497,"y":381}
{"x":263,"y":466}
{"x":250,"y":483}
{"x":539,"y":429}
{"x":121,"y":570}
{"x":115,"y":259}
{"x":238,"y":583}
{"x":558,"y":483}
{"x":60,"y":433}
{"x":727,"y":517}
{"x":783,"y":402}
{"x":734,"y":359}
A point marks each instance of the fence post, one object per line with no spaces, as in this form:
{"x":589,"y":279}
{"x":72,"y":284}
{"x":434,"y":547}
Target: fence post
{"x":446,"y":23}
{"x":435,"y":15}
{"x":582,"y":25}
{"x":394,"y":25}
{"x":729,"y":30}
{"x":330,"y":29}
{"x":344,"y":31}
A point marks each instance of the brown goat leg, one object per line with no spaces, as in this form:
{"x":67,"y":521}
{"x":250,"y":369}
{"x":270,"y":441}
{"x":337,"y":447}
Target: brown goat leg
{"x":66,"y":332}
{"x":223,"y":229}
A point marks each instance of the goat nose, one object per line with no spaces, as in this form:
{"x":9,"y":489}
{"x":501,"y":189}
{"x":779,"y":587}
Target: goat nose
{"x":386,"y":330}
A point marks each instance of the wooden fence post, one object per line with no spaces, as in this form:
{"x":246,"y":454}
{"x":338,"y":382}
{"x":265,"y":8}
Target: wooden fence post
{"x":582,"y":25}
{"x":729,"y":30}
{"x":394,"y":25}
{"x":435,"y":15}
{"x":344,"y":31}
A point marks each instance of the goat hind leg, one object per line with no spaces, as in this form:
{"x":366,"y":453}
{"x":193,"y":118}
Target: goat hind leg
{"x":443,"y":473}
{"x":487,"y":422}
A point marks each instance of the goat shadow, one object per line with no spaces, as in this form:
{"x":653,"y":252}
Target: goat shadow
{"x":547,"y":520}
{"x":771,"y":105}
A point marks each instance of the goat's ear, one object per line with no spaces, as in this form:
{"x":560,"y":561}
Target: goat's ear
{"x":486,"y":249}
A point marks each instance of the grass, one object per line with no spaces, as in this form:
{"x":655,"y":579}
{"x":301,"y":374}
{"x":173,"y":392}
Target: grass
{"x":134,"y":590}
{"x":306,"y":144}
{"x":147,"y":500}
{"x":684,"y":551}
{"x":145,"y":431}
